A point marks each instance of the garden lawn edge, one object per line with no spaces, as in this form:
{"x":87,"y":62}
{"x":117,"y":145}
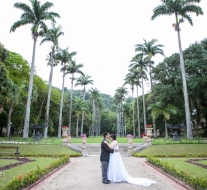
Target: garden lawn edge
{"x":46,"y":176}
{"x":170,"y":176}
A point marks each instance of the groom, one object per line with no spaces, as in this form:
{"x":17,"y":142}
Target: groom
{"x":105,"y":153}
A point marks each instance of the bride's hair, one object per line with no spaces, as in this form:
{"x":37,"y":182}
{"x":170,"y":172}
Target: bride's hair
{"x":113,"y":136}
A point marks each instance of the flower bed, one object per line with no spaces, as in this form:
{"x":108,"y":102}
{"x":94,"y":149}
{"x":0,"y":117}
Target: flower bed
{"x":196,"y":182}
{"x":42,"y":155}
{"x":27,"y":179}
{"x":170,"y":155}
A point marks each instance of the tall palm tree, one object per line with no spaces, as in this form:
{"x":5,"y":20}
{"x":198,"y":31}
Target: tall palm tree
{"x":94,"y":95}
{"x":139,"y":62}
{"x":135,"y":74}
{"x":36,"y":15}
{"x":181,"y":10}
{"x":121,"y":93}
{"x":72,"y":68}
{"x":149,"y":49}
{"x":80,"y":106}
{"x":65,"y":58}
{"x":83,"y":80}
{"x":158,"y":109}
{"x":51,"y":35}
{"x":130,"y":79}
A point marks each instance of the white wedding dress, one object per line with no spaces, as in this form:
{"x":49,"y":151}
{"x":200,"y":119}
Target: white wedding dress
{"x":117,"y":172}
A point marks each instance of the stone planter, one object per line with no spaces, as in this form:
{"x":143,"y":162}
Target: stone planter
{"x":149,"y":132}
{"x":69,"y":139}
{"x":65,"y":132}
{"x":84,"y":141}
{"x":83,"y":148}
{"x":130,"y":147}
{"x":145,"y":138}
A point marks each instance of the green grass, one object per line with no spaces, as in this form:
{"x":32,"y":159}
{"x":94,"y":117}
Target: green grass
{"x":173,"y":149}
{"x":204,"y":162}
{"x":23,"y":169}
{"x":55,"y":140}
{"x":196,"y":140}
{"x":192,"y":170}
{"x":98,"y":139}
{"x":5,"y":162}
{"x":39,"y":149}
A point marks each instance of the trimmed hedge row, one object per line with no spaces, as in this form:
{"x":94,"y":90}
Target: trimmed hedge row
{"x":27,"y":179}
{"x":197,"y":183}
{"x":170,"y":155}
{"x":41,"y":155}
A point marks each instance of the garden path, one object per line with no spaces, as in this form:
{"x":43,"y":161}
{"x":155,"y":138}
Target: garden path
{"x":85,"y":173}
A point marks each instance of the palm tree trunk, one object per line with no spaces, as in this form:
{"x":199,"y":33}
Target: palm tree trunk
{"x":82,"y":119}
{"x":187,"y":109}
{"x":61,"y":104}
{"x":77,"y":127}
{"x":29,"y":97}
{"x":154,"y":128}
{"x":94,"y":115}
{"x":133,"y":111}
{"x":166,"y":132}
{"x":40,"y":111}
{"x":117,"y":123}
{"x":138,"y":114}
{"x":125,"y":125}
{"x":48,"y":97}
{"x":144,"y":110}
{"x":9,"y":121}
{"x":71,"y":99}
{"x":150,"y":74}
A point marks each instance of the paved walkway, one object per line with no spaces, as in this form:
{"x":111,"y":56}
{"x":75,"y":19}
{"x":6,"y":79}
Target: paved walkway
{"x":84,"y":173}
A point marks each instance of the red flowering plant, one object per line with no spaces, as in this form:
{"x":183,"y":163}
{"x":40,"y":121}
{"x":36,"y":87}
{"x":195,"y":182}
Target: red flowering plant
{"x":64,"y":127}
{"x":149,"y":126}
{"x":83,"y":135}
{"x":144,"y":134}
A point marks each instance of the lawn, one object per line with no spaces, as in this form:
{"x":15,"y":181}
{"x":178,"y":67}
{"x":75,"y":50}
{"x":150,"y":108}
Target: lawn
{"x":5,"y":162}
{"x":204,"y":162}
{"x":23,"y":169}
{"x":173,"y":149}
{"x":98,"y":139}
{"x":55,"y":140}
{"x":40,"y":149}
{"x":192,"y":170}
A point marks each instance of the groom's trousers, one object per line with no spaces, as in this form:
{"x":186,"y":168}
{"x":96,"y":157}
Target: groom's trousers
{"x":104,"y":166}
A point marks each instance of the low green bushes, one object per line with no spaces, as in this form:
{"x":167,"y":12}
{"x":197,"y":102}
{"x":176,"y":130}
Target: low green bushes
{"x":196,"y":182}
{"x":27,"y":179}
{"x":42,"y":155}
{"x":171,"y":155}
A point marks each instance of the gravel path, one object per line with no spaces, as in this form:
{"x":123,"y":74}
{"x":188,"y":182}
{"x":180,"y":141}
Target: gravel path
{"x":85,"y":173}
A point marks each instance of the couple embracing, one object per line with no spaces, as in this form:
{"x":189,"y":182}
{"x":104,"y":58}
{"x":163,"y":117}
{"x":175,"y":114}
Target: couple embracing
{"x":113,"y":169}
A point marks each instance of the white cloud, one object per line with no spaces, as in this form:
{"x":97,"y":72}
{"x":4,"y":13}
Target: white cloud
{"x":103,"y":32}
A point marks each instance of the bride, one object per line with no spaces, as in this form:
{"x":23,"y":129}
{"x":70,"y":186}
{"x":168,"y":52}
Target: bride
{"x":117,"y":171}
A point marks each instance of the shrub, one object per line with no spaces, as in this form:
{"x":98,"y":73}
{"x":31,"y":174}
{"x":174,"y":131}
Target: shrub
{"x":197,"y":183}
{"x":27,"y":179}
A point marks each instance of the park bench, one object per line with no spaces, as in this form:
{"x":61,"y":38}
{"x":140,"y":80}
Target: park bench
{"x":10,"y":147}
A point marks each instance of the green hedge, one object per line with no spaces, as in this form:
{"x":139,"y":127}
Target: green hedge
{"x":41,"y":155}
{"x":170,"y":155}
{"x":197,"y":183}
{"x":27,"y":179}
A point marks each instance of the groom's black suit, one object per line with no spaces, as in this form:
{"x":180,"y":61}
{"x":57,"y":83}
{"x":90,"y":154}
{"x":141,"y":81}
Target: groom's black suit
{"x":104,"y":158}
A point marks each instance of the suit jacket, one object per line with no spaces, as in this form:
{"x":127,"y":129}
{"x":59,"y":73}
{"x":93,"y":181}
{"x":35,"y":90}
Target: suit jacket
{"x":105,"y":152}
